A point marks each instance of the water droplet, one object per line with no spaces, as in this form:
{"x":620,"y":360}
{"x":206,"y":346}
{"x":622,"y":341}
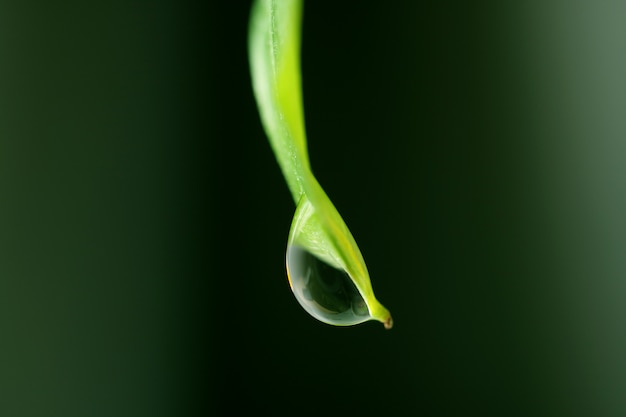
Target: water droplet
{"x":325,"y":292}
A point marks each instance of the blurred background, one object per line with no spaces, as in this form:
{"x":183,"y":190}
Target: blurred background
{"x":476,"y":150}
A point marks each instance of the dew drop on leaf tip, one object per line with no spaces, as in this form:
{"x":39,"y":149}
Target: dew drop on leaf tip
{"x":326,"y":293}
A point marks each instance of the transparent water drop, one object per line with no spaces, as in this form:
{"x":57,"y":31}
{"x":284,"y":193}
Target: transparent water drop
{"x":325,"y":292}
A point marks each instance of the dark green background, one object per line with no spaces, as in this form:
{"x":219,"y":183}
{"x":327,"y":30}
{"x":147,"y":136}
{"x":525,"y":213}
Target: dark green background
{"x":477,"y":152}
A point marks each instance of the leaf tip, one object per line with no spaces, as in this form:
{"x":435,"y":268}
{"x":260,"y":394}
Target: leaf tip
{"x":388,"y":323}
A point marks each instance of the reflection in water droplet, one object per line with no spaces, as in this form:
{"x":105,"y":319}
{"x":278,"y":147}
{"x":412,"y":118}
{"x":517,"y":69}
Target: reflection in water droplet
{"x":328,"y":294}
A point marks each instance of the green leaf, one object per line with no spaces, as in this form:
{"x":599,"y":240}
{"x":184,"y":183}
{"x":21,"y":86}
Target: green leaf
{"x":326,"y":269}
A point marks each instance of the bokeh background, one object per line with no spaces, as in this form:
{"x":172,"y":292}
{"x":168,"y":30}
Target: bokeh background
{"x":476,"y":150}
